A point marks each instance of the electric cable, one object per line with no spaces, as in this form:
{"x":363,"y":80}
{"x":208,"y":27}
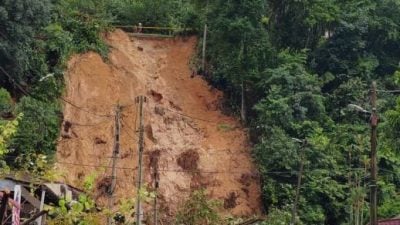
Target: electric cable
{"x":61,"y":98}
{"x":389,"y":91}
{"x":192,"y":117}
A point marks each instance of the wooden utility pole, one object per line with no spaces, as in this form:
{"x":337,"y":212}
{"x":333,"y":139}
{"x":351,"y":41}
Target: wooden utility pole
{"x":203,"y":59}
{"x":156,"y":185}
{"x":140,"y":100}
{"x":374,"y":124}
{"x":349,"y":179}
{"x":114,"y":161}
{"x":299,"y":177}
{"x":243,"y":108}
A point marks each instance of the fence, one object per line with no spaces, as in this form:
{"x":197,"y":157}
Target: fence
{"x":155,"y":31}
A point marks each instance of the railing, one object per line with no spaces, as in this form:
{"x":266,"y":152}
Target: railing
{"x":155,"y":31}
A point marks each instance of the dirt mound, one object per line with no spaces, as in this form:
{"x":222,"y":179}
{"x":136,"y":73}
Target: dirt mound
{"x":189,"y":160}
{"x":182,"y":113}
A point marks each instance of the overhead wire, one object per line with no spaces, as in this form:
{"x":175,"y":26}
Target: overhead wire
{"x":124,"y":125}
{"x":90,"y":125}
{"x":134,"y":130}
{"x":25,"y":92}
{"x":94,"y":166}
{"x":331,"y":173}
{"x":13,"y":81}
{"x":293,"y":172}
{"x":192,"y":117}
{"x":389,"y":91}
{"x":86,"y":110}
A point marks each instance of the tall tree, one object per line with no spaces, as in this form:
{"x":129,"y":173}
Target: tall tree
{"x":20,"y":50}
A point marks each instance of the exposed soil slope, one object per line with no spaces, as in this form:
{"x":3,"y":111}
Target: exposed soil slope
{"x":194,"y":143}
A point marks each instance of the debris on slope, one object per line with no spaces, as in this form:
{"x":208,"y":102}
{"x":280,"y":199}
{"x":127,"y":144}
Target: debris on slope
{"x":182,"y":126}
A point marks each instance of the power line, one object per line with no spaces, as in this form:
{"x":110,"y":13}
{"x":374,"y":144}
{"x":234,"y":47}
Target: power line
{"x":389,"y":91}
{"x":85,"y":110}
{"x":25,"y":92}
{"x":124,"y":124}
{"x":128,"y":133}
{"x":115,"y":156}
{"x":64,"y":100}
{"x":293,"y":172}
{"x":94,"y":166}
{"x":219,"y":171}
{"x":90,"y":125}
{"x":13,"y":81}
{"x":192,"y":117}
{"x":140,"y":100}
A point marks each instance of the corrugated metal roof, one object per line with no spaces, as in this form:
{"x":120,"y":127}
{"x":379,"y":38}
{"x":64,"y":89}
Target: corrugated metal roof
{"x":389,"y":222}
{"x":7,"y":184}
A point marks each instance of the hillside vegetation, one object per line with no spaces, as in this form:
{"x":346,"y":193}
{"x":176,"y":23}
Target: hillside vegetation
{"x":289,"y":69}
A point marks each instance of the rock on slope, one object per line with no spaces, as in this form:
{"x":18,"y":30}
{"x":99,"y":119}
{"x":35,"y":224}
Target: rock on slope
{"x":196,"y":146}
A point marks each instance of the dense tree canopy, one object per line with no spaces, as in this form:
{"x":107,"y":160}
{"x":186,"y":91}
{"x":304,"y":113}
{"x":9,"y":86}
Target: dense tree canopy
{"x":290,"y":67}
{"x":305,"y":61}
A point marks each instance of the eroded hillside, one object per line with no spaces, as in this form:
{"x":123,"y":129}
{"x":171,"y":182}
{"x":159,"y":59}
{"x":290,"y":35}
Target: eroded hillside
{"x":195,"y":144}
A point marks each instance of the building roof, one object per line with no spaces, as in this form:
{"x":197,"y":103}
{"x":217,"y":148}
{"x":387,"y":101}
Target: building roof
{"x":54,"y":190}
{"x":7,"y":185}
{"x":389,"y":222}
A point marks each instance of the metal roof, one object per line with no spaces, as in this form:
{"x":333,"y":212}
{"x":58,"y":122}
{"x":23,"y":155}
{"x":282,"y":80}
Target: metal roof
{"x":7,"y":184}
{"x":389,"y":222}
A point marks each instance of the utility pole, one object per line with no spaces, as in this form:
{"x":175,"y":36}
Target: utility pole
{"x":243,"y":109}
{"x":299,"y":177}
{"x":374,"y":124}
{"x":140,"y":100}
{"x":114,"y":161}
{"x":156,"y":185}
{"x":349,"y":179}
{"x":203,"y":60}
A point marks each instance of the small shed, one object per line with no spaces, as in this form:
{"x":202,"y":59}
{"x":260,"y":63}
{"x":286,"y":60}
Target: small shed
{"x":34,"y":195}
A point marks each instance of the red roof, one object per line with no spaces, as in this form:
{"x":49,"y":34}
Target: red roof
{"x":389,"y":222}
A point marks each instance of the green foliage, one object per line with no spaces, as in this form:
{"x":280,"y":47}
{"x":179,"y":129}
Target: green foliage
{"x":364,"y":44}
{"x":256,"y":45}
{"x":7,"y":131}
{"x":198,"y":210}
{"x":300,"y":24}
{"x":393,"y":126}
{"x":391,"y":208}
{"x":304,"y":94}
{"x":294,"y":106}
{"x":82,"y":23}
{"x":5,"y":102}
{"x":37,"y":130}
{"x":169,"y":13}
{"x":224,"y":127}
{"x":126,"y":207}
{"x":20,"y":52}
{"x":37,"y":39}
{"x":279,"y":217}
{"x":293,"y":94}
{"x":81,"y":212}
{"x":238,"y":49}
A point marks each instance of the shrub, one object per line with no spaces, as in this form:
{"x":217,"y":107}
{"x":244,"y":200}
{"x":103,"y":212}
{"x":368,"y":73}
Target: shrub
{"x":199,"y":210}
{"x":37,"y":130}
{"x":5,"y":101}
